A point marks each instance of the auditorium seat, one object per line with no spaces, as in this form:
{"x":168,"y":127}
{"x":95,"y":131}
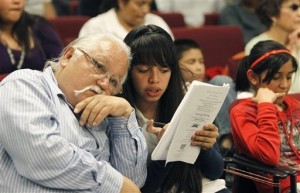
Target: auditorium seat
{"x":68,"y":27}
{"x":211,"y":19}
{"x":218,"y":43}
{"x":174,"y":19}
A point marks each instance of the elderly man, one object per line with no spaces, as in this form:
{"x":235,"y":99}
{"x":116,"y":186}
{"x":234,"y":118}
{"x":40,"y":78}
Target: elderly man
{"x":62,"y":130}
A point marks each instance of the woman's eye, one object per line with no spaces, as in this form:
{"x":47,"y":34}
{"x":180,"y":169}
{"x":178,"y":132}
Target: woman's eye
{"x":144,"y":70}
{"x":165,"y":70}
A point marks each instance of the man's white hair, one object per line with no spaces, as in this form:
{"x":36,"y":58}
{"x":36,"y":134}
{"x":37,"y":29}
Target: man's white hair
{"x":102,"y":42}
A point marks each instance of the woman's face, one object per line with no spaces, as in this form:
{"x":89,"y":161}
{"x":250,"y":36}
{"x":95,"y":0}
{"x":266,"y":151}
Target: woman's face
{"x":11,"y":10}
{"x":134,"y":11}
{"x":150,"y":82}
{"x":192,"y":65}
{"x":281,"y":81}
{"x":289,"y":16}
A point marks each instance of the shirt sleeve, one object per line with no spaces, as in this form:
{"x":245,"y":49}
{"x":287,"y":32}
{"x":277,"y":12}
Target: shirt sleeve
{"x":32,"y":138}
{"x":211,"y":162}
{"x":48,"y":40}
{"x":255,"y":131}
{"x":128,"y":148}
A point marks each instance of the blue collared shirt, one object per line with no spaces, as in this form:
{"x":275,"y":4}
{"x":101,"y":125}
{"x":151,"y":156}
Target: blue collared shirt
{"x":44,"y":149}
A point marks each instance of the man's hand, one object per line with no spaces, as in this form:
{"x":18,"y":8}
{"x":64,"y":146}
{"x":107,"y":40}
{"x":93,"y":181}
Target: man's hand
{"x":207,"y":137}
{"x":96,"y":108}
{"x":129,"y":187}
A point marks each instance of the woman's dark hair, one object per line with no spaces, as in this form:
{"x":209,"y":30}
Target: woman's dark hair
{"x":272,"y":63}
{"x":152,"y":45}
{"x":265,"y":9}
{"x":183,"y":45}
{"x":183,"y":178}
{"x":22,"y":29}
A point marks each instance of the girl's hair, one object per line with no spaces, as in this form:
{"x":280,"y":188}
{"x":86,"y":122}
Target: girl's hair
{"x":22,"y":29}
{"x":153,"y":46}
{"x":271,"y":63}
{"x":265,"y":9}
{"x":183,"y":178}
{"x":183,"y":45}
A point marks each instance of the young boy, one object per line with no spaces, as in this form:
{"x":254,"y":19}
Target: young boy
{"x":192,"y":66}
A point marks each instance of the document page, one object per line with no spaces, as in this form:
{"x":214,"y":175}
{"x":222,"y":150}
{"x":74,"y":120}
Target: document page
{"x":199,"y":106}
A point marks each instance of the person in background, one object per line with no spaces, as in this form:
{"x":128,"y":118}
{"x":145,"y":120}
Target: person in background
{"x":153,"y":89}
{"x":26,"y":41}
{"x":192,"y":66}
{"x":42,"y":8}
{"x":282,"y":18}
{"x":243,"y":14}
{"x":266,"y":126}
{"x":118,"y":17}
{"x":66,"y":134}
{"x":192,"y":10}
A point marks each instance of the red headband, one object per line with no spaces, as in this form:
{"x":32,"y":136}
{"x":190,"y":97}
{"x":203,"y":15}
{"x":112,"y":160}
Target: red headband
{"x":273,"y":52}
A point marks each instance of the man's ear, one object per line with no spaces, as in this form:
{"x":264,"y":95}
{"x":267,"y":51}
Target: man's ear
{"x":68,"y":53}
{"x":252,"y":77}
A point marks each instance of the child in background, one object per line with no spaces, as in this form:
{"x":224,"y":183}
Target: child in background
{"x":266,"y":126}
{"x":192,"y":66}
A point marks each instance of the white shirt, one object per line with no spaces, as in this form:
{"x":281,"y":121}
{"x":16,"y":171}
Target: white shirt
{"x":108,"y":22}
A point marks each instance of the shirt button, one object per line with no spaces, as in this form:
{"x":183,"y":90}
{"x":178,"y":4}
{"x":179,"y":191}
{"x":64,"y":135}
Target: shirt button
{"x":122,"y":126}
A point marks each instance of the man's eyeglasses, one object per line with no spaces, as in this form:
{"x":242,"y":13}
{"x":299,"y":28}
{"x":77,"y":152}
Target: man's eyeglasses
{"x":100,"y":69}
{"x":294,"y":7}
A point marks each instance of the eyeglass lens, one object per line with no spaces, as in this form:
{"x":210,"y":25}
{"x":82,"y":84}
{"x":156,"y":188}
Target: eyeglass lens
{"x":114,"y":84}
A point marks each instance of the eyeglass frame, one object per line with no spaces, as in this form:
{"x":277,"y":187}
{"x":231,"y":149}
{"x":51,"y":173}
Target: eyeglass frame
{"x":102,"y":71}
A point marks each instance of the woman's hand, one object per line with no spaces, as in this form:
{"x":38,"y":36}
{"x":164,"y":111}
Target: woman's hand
{"x":206,"y":137}
{"x":158,"y":131}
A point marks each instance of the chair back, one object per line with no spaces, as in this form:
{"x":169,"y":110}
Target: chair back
{"x":68,"y":27}
{"x":174,"y":19}
{"x":218,"y":42}
{"x":2,"y":76}
{"x":211,"y":19}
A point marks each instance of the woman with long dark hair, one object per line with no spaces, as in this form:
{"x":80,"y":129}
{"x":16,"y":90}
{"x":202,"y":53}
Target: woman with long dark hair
{"x":154,"y":87}
{"x":26,"y":41}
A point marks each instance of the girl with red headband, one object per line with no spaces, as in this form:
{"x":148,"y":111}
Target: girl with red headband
{"x":267,"y":126}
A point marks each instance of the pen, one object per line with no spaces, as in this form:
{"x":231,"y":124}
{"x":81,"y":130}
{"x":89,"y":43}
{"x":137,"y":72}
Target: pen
{"x":158,"y":124}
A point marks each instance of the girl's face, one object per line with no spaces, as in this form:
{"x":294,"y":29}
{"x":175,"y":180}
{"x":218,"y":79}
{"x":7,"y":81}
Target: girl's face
{"x":281,"y":81}
{"x":192,"y":65}
{"x":11,"y":10}
{"x":150,"y":82}
{"x":289,"y":16}
{"x":134,"y":11}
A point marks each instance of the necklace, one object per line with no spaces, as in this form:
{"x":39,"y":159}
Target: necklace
{"x":11,"y":55}
{"x":12,"y":58}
